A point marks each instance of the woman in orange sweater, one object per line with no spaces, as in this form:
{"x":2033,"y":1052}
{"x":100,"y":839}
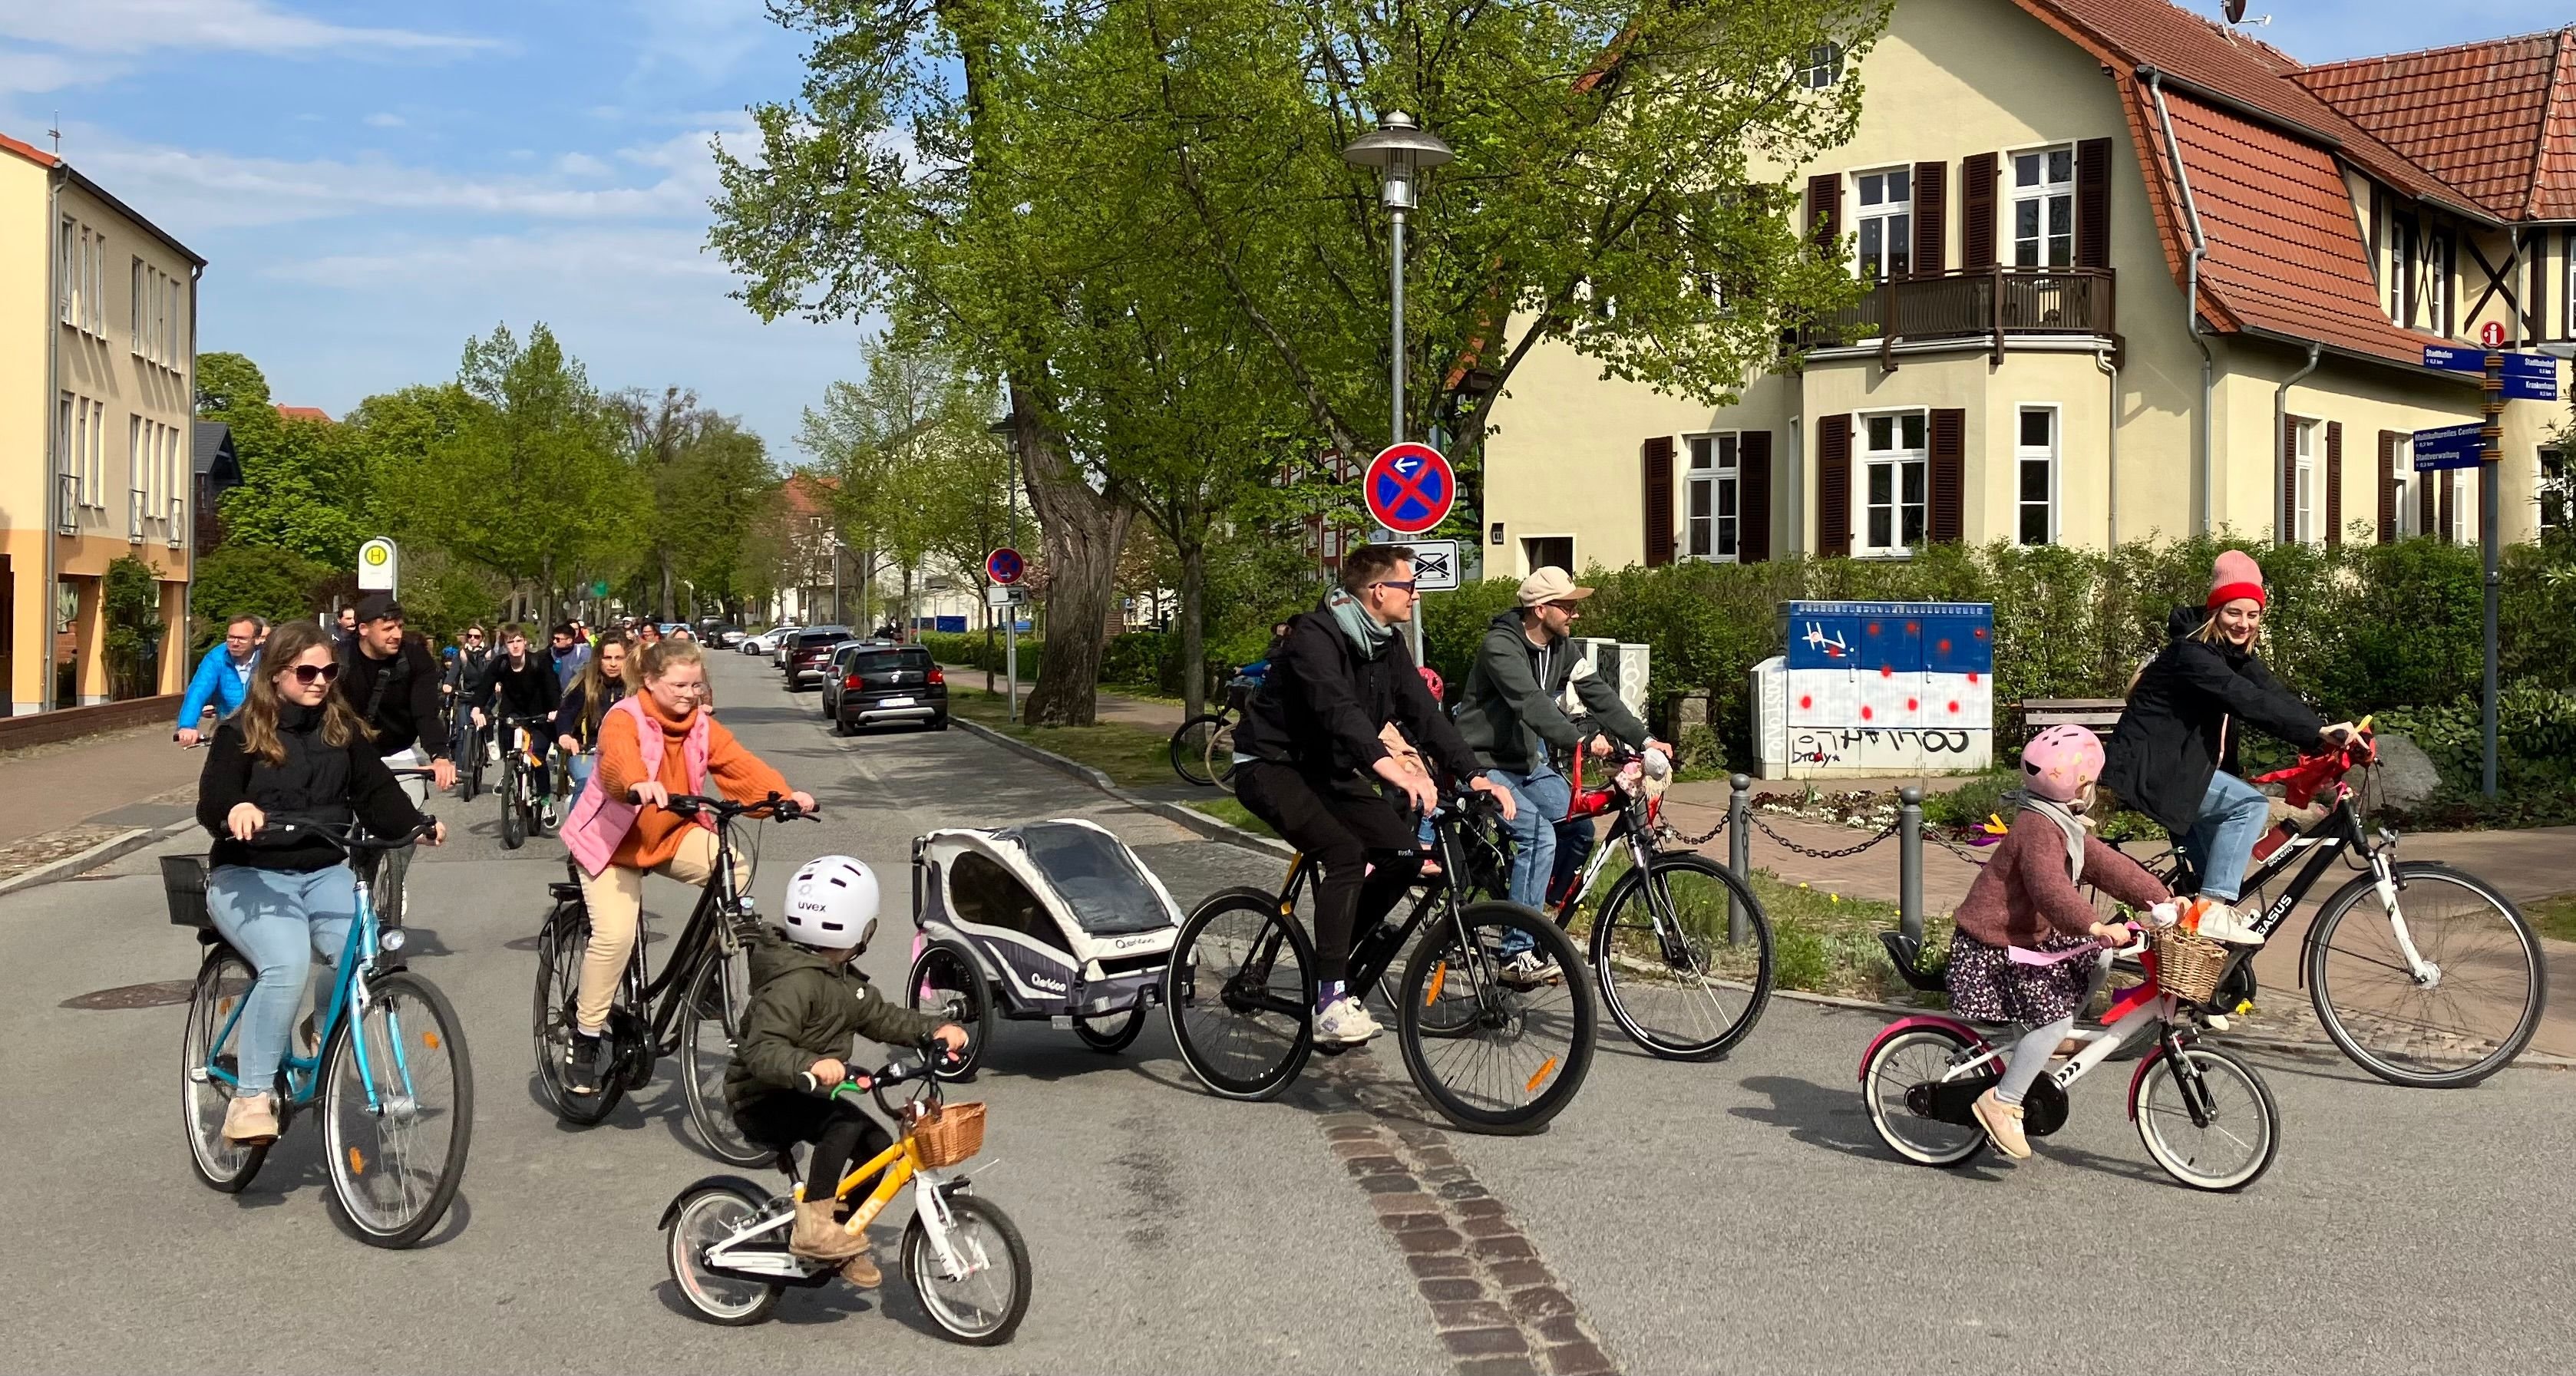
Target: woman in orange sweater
{"x":654,"y":744}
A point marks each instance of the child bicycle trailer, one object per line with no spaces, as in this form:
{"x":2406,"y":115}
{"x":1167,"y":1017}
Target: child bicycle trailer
{"x":1055,"y":920}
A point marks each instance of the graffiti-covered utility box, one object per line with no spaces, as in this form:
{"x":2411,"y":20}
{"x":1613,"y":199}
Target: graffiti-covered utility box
{"x":1878,"y":688}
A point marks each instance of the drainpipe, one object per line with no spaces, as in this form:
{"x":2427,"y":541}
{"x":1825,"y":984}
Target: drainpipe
{"x":2190,"y":294}
{"x":53,"y":483}
{"x":2111,"y":456}
{"x":2285,"y":532}
{"x":188,"y":483}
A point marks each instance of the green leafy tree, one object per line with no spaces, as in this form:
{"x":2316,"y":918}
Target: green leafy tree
{"x":239,"y":580}
{"x":132,"y":610}
{"x":303,"y":485}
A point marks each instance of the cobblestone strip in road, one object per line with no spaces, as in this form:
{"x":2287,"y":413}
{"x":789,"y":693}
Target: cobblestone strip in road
{"x":1497,"y":1307}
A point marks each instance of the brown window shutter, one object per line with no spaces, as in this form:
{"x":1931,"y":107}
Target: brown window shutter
{"x":1931,"y":193}
{"x":2427,"y":515}
{"x":2288,"y":509}
{"x":1977,"y":211}
{"x":1947,"y":520}
{"x":1659,"y":501}
{"x":2388,"y":440}
{"x":1753,"y":497}
{"x":2093,"y":203}
{"x":1833,"y":486}
{"x":2334,"y":484}
{"x":1824,"y":209}
{"x":2442,"y":509}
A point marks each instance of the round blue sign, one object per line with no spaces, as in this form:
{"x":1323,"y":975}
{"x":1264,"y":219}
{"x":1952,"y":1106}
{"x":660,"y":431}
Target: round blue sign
{"x":1004,"y":566}
{"x":1410,"y":488}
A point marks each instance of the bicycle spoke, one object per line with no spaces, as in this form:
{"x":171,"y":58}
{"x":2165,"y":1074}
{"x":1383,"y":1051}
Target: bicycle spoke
{"x":2470,"y":1009}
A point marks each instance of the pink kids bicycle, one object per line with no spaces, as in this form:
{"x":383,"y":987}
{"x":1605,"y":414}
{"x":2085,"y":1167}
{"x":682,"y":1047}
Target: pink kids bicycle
{"x":2206,"y":1117}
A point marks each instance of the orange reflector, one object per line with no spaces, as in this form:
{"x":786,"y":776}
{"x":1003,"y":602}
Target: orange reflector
{"x":224,"y":1006}
{"x":1543,"y":1071}
{"x":357,"y":1162}
{"x":1439,"y":976}
{"x":430,"y":1039}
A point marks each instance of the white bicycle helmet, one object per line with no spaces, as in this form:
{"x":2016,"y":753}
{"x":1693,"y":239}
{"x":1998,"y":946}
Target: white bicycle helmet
{"x":832,"y":904}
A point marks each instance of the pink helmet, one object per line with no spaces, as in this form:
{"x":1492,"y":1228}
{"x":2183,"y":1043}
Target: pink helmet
{"x":2061,"y":762}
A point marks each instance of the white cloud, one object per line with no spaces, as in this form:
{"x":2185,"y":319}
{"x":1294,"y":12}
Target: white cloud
{"x":386,"y":119}
{"x":235,"y":25}
{"x":583,"y":165}
{"x":24,"y":72}
{"x":707,"y":39}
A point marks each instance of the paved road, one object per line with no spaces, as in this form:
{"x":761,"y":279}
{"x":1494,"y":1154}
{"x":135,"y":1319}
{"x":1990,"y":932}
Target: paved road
{"x":1738,"y":1216}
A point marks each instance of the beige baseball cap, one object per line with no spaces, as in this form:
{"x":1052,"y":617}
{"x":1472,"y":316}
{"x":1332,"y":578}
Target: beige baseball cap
{"x":1551,"y":584}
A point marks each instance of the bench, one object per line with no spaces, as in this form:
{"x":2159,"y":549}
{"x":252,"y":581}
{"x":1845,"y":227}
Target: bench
{"x":2097,"y":715}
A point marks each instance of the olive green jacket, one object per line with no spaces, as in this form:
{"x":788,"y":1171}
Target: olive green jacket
{"x":802,"y":1010}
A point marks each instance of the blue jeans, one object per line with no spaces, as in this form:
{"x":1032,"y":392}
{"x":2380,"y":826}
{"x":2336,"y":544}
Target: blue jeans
{"x":279,"y":920}
{"x":2221,"y":842}
{"x":579,"y":766}
{"x":1539,"y":798}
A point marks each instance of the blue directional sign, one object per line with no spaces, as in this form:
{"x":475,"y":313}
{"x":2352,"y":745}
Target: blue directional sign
{"x":2530,"y":377}
{"x":2452,"y":446}
{"x":2455,"y":360}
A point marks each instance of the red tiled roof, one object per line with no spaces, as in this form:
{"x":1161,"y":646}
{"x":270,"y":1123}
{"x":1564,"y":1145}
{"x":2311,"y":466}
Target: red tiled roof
{"x":29,"y":151}
{"x":286,"y":412}
{"x":2496,"y":119}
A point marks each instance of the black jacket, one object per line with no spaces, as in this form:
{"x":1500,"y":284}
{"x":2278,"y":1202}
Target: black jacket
{"x":529,"y":691}
{"x":398,"y":697}
{"x":1322,"y":704}
{"x":319,"y":782}
{"x":572,"y":713}
{"x":803,"y":1009}
{"x":2191,"y":704}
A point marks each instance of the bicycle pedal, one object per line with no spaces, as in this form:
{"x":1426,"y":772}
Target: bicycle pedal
{"x":1061,"y":1022}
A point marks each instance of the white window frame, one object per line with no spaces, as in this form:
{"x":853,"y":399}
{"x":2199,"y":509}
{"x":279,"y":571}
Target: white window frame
{"x":98,"y":454}
{"x":2564,"y":499}
{"x":1899,"y":461}
{"x":1713,"y":497}
{"x":2407,"y":478}
{"x":1822,"y":67}
{"x":136,"y":296}
{"x":1572,"y":551}
{"x":1894,"y":218}
{"x":2461,"y":531}
{"x":2048,"y":195}
{"x":67,"y":272}
{"x":2304,"y":477}
{"x":2048,"y":455}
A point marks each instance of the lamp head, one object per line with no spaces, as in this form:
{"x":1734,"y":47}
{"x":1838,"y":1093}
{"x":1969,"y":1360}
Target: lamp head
{"x":1401,"y":150}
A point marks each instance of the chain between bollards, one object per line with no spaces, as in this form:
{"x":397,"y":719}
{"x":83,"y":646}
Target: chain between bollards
{"x":1909,"y":863}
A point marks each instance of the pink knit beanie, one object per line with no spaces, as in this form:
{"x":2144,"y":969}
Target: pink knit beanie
{"x":2235,"y":575}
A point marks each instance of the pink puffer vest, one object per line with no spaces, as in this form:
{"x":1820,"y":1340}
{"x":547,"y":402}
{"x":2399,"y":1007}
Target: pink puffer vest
{"x":599,"y":823}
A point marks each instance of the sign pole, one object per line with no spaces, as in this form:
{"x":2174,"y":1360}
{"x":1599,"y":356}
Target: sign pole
{"x":2490,"y":466}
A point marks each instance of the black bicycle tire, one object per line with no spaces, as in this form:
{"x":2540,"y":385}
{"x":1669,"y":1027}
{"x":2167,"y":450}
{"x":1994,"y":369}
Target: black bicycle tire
{"x":514,"y":823}
{"x":749,"y":1194}
{"x":1887,"y":1046}
{"x":459,"y":1142}
{"x":253,"y":1156}
{"x":1569,"y":1076}
{"x":980,"y":1020}
{"x":1221,"y":742}
{"x":2344,"y":901}
{"x":1188,"y":762}
{"x":916,"y":1245}
{"x":567,"y":928}
{"x":1633,"y":883}
{"x":1257,"y":1089}
{"x":2270,"y":1107}
{"x":702,"y":1112}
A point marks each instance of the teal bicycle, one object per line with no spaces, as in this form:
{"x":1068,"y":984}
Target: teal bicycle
{"x":385,"y":1063}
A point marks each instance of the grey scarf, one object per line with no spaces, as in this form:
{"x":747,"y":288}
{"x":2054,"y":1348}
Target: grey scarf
{"x":2066,"y":822}
{"x":1356,"y":623}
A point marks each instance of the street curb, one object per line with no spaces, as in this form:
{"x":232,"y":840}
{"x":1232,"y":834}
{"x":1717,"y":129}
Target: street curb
{"x":1215,"y":829}
{"x":122,"y":844}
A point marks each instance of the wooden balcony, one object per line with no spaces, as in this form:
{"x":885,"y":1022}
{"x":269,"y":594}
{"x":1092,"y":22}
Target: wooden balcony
{"x":1990,"y":304}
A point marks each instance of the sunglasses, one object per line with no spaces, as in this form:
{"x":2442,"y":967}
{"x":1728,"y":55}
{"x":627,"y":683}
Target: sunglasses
{"x":1407,"y":585}
{"x":308,"y":674}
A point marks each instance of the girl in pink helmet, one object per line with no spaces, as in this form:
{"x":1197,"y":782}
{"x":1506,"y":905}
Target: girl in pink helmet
{"x":2030,"y":950}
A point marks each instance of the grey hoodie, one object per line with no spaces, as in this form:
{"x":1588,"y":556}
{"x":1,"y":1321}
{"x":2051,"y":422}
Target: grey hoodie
{"x":1511,"y":714}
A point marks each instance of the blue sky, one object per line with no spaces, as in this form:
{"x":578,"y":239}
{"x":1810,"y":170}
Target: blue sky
{"x":374,"y":182}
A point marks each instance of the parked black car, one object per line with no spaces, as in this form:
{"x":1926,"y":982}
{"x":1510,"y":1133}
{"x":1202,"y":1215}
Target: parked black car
{"x":875,"y":684}
{"x":805,"y":661}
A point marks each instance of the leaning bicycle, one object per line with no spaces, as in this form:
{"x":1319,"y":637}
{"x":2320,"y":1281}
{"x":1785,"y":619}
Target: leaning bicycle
{"x":388,"y":1068}
{"x":1492,"y":1054}
{"x":1680,"y":945}
{"x":691,"y":1009}
{"x":1202,"y":749}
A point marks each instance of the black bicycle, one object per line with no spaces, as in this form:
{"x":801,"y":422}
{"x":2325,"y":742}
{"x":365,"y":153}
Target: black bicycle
{"x":525,"y":779}
{"x":1492,"y":1054}
{"x":1202,"y":749}
{"x":692,"y":1009}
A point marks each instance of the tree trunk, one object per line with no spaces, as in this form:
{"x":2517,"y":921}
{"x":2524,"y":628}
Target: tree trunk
{"x":666,"y":587}
{"x":1193,"y":630}
{"x":1080,"y":533}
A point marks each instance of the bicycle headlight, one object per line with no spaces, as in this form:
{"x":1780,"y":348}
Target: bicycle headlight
{"x":391,"y":941}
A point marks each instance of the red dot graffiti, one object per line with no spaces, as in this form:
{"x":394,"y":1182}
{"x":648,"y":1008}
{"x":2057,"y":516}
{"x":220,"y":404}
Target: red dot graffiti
{"x":1866,"y":714}
{"x":1806,"y":701}
{"x":1972,"y":675}
{"x":1954,"y":707}
{"x":1911,"y":705}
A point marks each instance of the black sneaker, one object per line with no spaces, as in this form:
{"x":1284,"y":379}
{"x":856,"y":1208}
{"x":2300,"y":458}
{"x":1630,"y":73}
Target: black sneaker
{"x":581,"y":1075}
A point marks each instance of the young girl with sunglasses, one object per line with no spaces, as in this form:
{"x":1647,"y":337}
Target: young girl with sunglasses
{"x":295,"y":749}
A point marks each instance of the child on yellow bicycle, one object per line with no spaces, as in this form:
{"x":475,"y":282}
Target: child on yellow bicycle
{"x":807,"y":1000}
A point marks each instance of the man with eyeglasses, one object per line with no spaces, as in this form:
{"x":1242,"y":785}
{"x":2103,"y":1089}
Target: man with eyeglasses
{"x":1313,"y":755}
{"x":222,"y":679}
{"x":1527,"y":683}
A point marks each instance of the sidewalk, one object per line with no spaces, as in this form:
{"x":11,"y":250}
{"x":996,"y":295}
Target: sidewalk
{"x":1154,"y":714}
{"x":112,"y":779}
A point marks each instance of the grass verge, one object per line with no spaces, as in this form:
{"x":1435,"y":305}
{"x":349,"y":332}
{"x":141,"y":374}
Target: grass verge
{"x":1132,"y":756}
{"x":2554,"y":917}
{"x":1226,"y":809}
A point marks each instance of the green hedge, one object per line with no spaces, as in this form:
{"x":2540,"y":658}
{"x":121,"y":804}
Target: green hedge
{"x":949,"y":647}
{"x":2535,"y":740}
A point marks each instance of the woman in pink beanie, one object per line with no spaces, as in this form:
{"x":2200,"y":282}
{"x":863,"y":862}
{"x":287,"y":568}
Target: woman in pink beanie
{"x":2173,"y":756}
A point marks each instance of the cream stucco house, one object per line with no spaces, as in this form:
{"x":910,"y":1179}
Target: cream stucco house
{"x":98,"y":313}
{"x":2035,"y":190}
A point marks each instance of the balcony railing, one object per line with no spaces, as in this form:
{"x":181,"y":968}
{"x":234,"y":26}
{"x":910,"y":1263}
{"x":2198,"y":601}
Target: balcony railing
{"x":178,"y":530}
{"x":67,"y":503}
{"x":1992,"y":304}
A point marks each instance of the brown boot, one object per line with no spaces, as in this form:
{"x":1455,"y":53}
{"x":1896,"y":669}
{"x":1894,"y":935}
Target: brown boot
{"x":818,"y":1234}
{"x":2002,"y":1123}
{"x":861,"y":1271}
{"x":250,"y":1119}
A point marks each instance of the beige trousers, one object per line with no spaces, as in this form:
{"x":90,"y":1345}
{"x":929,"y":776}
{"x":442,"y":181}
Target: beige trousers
{"x":615,"y":897}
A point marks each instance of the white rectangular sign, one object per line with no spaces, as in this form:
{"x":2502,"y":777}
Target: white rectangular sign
{"x":1435,"y":564}
{"x":1005,"y":595}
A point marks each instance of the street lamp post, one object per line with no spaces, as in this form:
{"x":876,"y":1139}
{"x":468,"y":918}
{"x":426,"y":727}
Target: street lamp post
{"x":1401,"y":149}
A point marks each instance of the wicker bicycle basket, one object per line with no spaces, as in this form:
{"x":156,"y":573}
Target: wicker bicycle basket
{"x":951,"y":1135}
{"x":2187,"y":965}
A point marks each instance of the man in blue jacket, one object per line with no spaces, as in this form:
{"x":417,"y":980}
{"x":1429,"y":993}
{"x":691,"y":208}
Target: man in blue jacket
{"x":223,"y":676}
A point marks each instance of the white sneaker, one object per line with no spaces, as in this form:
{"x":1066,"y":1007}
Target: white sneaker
{"x":2221,"y":922}
{"x":1345,"y":1022}
{"x":1529,"y":970}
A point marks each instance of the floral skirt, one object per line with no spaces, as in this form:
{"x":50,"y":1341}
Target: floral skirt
{"x":1988,"y":985}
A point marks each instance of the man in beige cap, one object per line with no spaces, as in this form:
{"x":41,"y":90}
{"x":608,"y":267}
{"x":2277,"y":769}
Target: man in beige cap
{"x":1513,"y":718}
